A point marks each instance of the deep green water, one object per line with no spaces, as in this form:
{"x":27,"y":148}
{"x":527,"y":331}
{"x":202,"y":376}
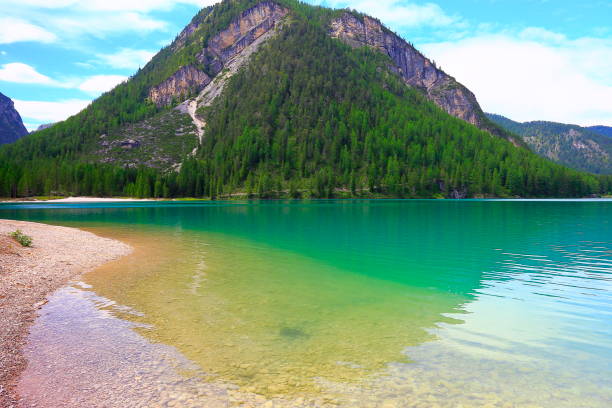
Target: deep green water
{"x":357,"y":302}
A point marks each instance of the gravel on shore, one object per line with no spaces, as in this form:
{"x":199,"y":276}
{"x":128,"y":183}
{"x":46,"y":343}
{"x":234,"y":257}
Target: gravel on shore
{"x":76,"y":200}
{"x":29,"y":274}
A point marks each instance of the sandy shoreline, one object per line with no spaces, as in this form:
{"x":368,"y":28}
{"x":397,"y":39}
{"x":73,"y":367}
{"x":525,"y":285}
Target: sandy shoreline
{"x":80,"y":200}
{"x":28,"y":275}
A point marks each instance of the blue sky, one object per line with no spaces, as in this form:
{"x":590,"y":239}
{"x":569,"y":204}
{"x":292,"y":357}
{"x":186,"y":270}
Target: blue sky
{"x":526,"y":59}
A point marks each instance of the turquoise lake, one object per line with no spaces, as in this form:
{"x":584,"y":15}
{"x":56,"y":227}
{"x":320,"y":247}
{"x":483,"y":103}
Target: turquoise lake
{"x":390,"y":303}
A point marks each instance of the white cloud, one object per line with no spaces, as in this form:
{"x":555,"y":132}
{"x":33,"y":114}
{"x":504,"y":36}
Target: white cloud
{"x":400,"y":14}
{"x":43,"y":3}
{"x":49,"y":19}
{"x":101,"y":24}
{"x":24,"y":74}
{"x":112,"y":5}
{"x":140,"y":5}
{"x":127,"y":58}
{"x":534,"y":75}
{"x":47,"y":112}
{"x":541,"y":35}
{"x":84,"y":65}
{"x":31,"y":126}
{"x":14,"y":30}
{"x":100,"y":83}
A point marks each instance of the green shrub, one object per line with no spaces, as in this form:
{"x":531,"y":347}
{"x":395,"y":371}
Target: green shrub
{"x":22,"y":238}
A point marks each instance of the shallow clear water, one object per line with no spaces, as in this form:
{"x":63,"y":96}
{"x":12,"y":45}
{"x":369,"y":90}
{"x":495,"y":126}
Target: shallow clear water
{"x":350,"y":303}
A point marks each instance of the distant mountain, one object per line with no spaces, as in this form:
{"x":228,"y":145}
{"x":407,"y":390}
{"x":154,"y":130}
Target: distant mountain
{"x":285,"y":99}
{"x":11,"y":126}
{"x":43,"y":127}
{"x":602,"y":130}
{"x":587,"y":149}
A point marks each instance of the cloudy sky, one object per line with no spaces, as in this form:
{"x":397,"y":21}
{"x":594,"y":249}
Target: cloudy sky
{"x":526,"y":59}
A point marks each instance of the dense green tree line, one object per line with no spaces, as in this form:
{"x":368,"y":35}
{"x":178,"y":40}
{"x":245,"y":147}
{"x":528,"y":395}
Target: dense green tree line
{"x":308,"y":117}
{"x":50,"y":178}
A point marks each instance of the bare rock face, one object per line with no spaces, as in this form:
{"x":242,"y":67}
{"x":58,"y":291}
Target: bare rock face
{"x":182,"y":83}
{"x":11,"y":126}
{"x":416,"y":70}
{"x":130,"y":144}
{"x":242,"y":32}
{"x":221,"y":49}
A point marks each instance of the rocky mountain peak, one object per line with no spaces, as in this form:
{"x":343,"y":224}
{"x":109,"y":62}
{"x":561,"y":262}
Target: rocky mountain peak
{"x":414,"y":68}
{"x":11,"y":125}
{"x":219,"y":52}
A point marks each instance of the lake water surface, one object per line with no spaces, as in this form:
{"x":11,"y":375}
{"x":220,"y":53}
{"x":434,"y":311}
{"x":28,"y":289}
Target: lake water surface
{"x":331,"y":303}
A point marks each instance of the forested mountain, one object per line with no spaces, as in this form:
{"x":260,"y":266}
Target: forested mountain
{"x":572,"y":145}
{"x":283,"y":99}
{"x":11,"y":126}
{"x":602,"y":130}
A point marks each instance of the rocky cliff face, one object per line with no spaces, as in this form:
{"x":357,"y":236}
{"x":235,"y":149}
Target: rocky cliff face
{"x":181,"y":84}
{"x":11,"y":126}
{"x":416,"y":70}
{"x":221,"y":49}
{"x":252,"y":24}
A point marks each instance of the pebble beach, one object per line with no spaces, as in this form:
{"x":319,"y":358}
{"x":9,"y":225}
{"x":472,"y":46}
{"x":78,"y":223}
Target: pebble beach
{"x":29,"y":274}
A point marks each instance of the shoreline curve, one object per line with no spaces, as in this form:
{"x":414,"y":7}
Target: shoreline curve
{"x":29,"y":274}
